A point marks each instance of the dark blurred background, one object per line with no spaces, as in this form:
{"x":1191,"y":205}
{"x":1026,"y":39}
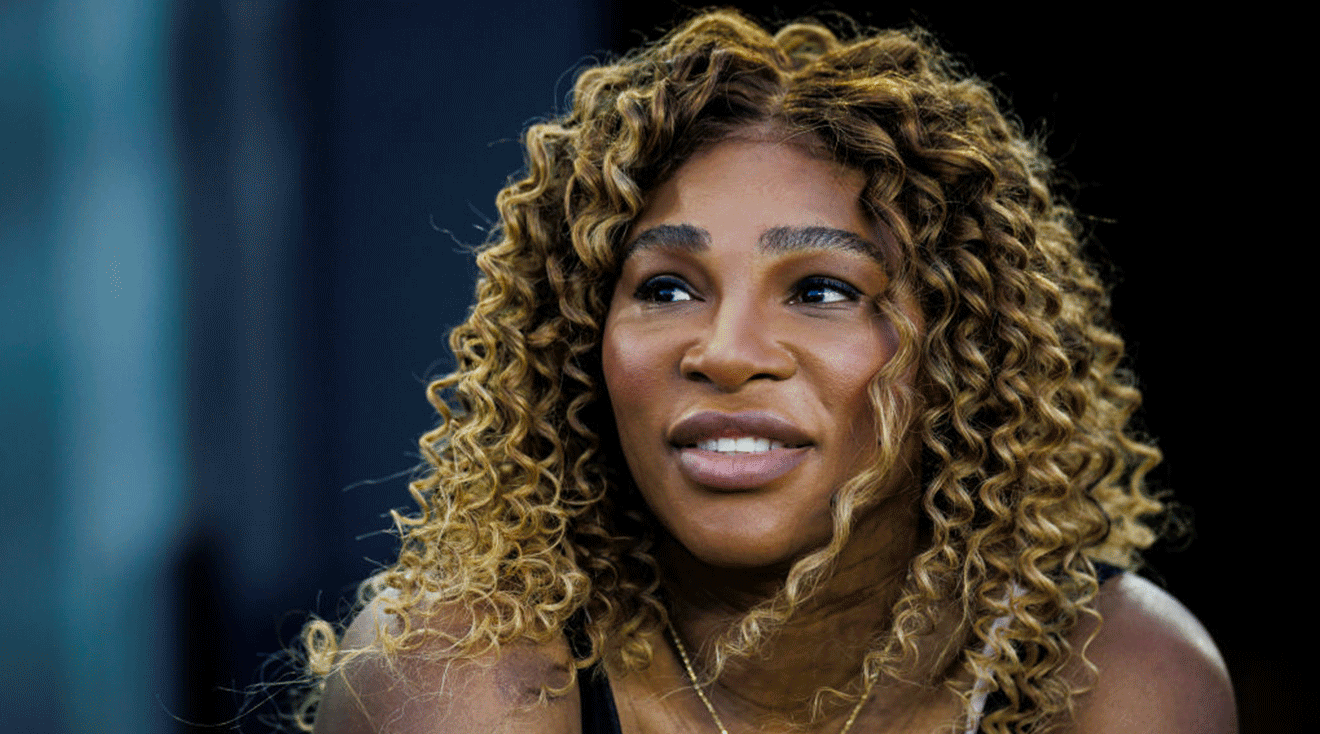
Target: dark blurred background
{"x":232,"y":243}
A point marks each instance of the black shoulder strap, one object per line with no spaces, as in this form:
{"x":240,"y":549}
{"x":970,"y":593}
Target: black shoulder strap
{"x":599,"y":716}
{"x":1104,"y":571}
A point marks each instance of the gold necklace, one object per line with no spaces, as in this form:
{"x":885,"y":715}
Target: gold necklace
{"x":692,"y":678}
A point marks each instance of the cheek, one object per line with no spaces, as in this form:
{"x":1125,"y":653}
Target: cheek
{"x":849,"y":358}
{"x":616,"y":364}
{"x":845,"y":373}
{"x":633,"y":368}
{"x":633,"y":378}
{"x":614,"y":367}
{"x":853,"y":380}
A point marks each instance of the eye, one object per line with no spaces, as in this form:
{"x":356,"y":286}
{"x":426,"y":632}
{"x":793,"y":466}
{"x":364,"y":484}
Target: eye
{"x":664,"y":289}
{"x":821,"y":290}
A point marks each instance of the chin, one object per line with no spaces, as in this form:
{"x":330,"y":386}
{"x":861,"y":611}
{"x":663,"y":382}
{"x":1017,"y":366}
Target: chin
{"x":772,"y":550}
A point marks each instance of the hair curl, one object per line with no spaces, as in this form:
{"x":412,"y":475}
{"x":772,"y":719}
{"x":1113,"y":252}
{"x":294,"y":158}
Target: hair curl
{"x":527,"y":518}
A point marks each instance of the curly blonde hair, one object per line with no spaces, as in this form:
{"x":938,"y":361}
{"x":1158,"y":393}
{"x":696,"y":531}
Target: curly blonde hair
{"x":527,"y":518}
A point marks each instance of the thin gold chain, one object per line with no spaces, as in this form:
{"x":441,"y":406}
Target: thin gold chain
{"x":719,"y":723}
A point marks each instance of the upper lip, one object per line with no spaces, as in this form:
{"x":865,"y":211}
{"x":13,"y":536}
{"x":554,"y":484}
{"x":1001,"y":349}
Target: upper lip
{"x":710,"y":424}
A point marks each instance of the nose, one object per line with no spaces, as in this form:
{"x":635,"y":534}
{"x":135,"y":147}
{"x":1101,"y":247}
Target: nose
{"x":737,"y":346}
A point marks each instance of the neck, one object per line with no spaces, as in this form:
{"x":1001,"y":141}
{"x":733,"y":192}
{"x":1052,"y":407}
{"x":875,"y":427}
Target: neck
{"x":828,"y":634}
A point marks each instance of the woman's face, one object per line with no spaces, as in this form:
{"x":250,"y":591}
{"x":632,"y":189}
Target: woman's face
{"x":740,"y":342}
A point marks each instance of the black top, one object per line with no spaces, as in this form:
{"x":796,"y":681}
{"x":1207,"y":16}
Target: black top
{"x":598,"y":713}
{"x":599,"y":716}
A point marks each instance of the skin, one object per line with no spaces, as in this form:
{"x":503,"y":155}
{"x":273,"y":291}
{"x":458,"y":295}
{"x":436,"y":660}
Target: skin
{"x":713,"y":314}
{"x":1159,"y":673}
{"x":724,"y":323}
{"x":708,"y":316}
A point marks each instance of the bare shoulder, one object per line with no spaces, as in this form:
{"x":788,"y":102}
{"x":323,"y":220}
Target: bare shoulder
{"x":1159,"y":671}
{"x":424,"y":691}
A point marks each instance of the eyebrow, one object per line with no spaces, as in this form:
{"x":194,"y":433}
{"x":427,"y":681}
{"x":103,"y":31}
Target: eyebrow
{"x":683,"y":237}
{"x":778,"y":240}
{"x":795,"y":239}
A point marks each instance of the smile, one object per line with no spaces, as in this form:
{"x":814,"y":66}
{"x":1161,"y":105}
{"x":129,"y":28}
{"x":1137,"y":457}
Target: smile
{"x":745,"y":432}
{"x":737,"y":451}
{"x":743,"y":445}
{"x":738,"y":470}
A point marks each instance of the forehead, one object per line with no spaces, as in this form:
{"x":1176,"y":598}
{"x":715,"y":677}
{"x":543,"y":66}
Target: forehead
{"x":759,"y":177}
{"x":745,"y":188}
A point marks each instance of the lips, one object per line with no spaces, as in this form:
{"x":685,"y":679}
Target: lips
{"x":711,"y":424}
{"x":737,"y":451}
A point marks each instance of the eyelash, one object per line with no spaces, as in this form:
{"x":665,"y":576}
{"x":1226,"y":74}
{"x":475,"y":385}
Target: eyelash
{"x":822,"y":283}
{"x":652,"y":289}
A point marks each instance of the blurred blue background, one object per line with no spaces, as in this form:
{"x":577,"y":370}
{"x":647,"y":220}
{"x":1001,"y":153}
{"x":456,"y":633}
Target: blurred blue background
{"x":232,"y":244}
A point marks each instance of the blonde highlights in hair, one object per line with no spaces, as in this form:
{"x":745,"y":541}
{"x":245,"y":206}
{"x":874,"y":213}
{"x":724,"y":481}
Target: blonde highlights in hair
{"x":526,"y":518}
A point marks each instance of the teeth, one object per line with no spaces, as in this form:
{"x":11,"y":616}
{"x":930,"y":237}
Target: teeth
{"x":744,"y":445}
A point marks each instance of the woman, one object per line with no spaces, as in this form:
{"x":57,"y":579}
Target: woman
{"x":787,"y":404}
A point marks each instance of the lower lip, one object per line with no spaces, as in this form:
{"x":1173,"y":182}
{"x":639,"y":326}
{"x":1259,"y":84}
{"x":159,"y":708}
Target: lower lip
{"x":735,"y":471}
